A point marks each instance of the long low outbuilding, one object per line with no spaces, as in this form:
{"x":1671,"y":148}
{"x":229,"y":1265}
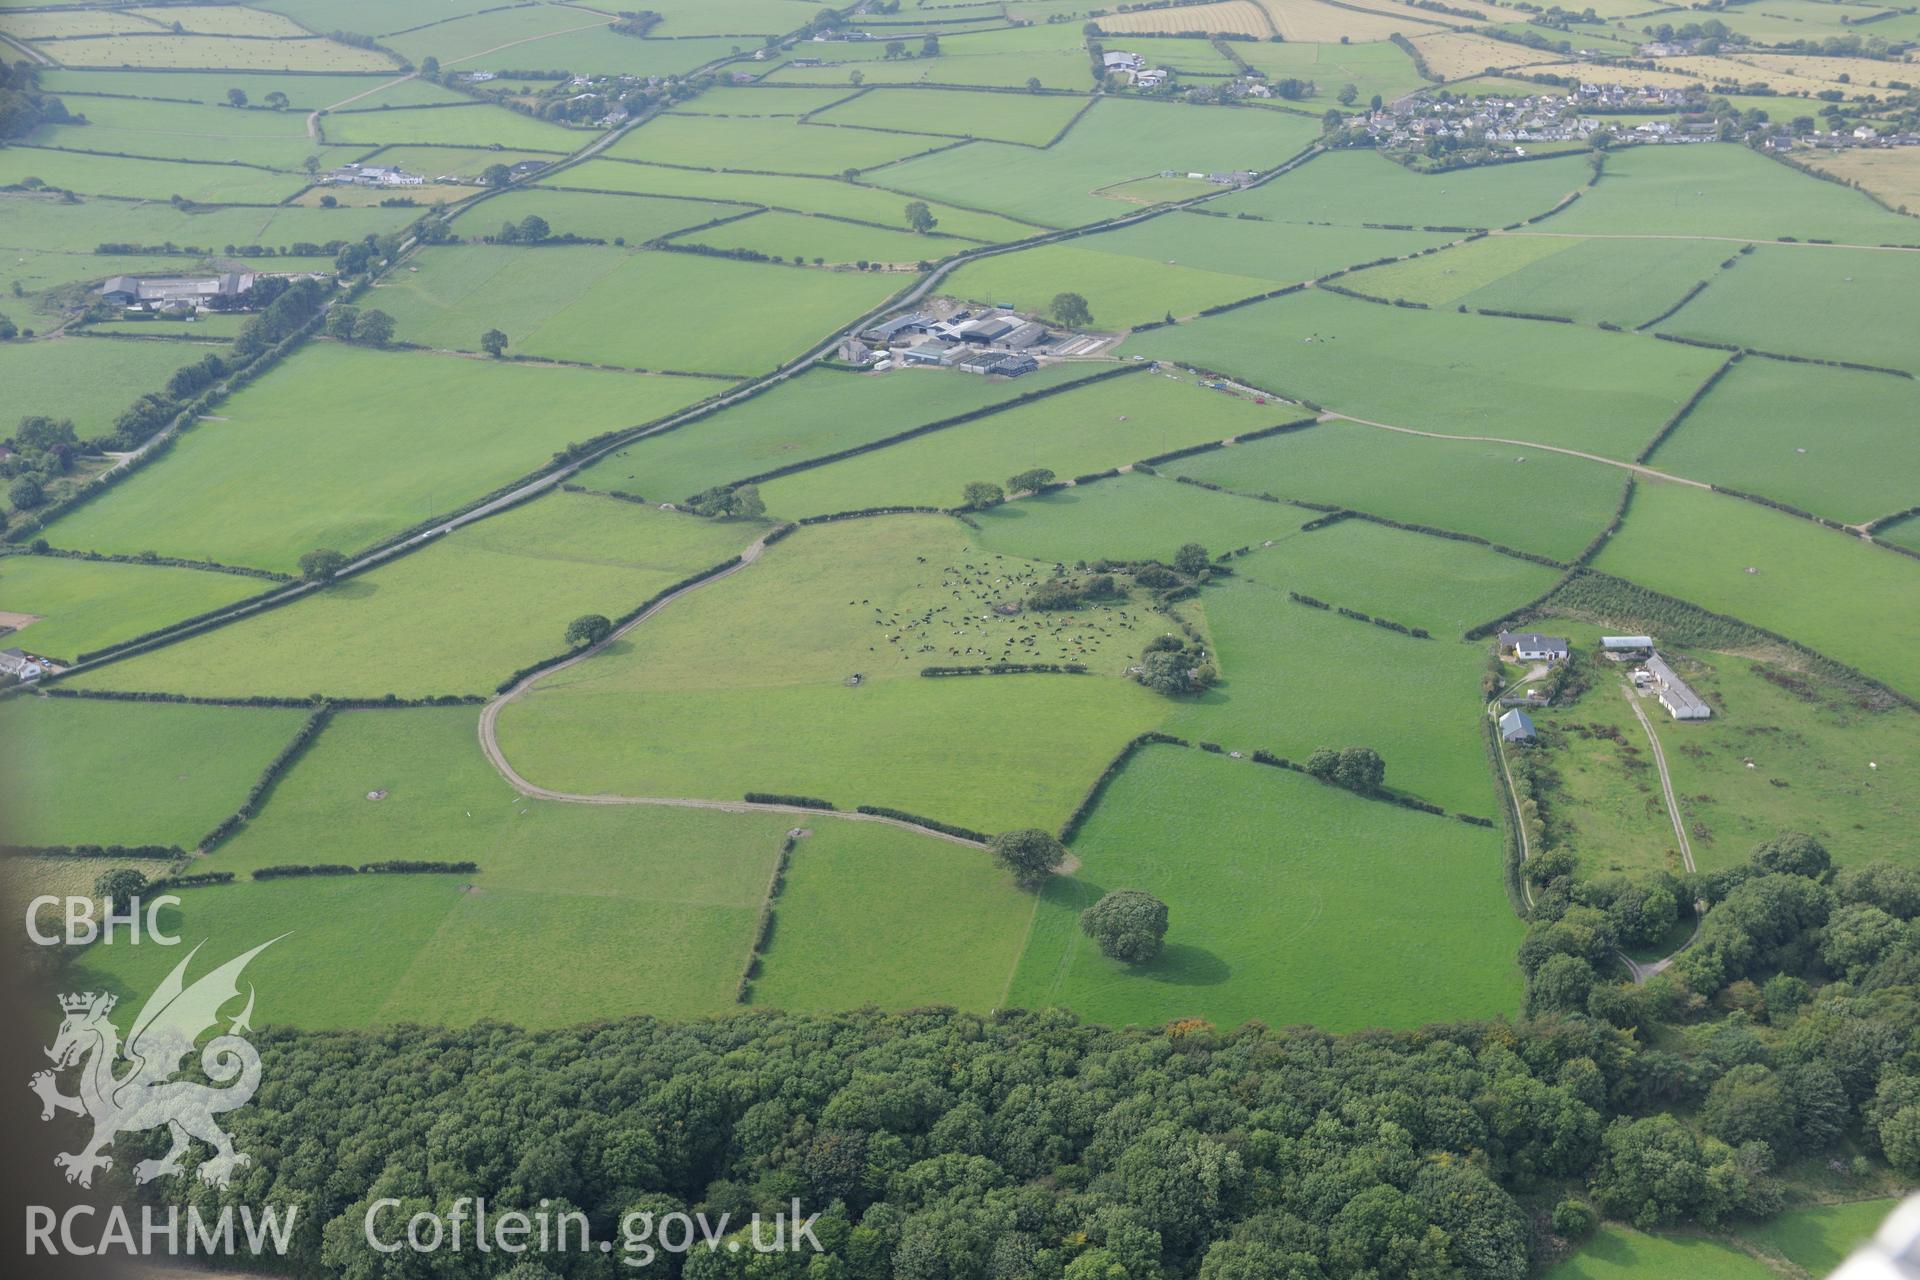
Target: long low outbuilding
{"x":1681,"y":702}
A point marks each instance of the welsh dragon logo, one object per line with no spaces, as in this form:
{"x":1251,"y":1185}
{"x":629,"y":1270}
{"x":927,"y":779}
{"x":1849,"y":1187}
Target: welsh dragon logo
{"x":144,"y":1095}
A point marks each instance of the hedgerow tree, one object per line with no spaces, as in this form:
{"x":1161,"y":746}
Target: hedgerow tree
{"x":320,"y":565}
{"x":494,"y":343}
{"x":981,"y":494}
{"x":1030,"y":854}
{"x":1029,"y":481}
{"x":1192,"y":559}
{"x":119,"y":887}
{"x":921,"y":218}
{"x":1071,"y":309}
{"x":1127,"y":924}
{"x":374,"y":328}
{"x":588,"y":629}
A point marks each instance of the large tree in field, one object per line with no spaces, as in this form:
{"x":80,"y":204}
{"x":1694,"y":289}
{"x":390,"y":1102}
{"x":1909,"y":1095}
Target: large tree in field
{"x":921,"y":218}
{"x":321,"y":564}
{"x":374,"y":328}
{"x":588,"y":629}
{"x":119,"y":887}
{"x":1127,"y":924}
{"x":1030,"y":853}
{"x":1071,"y":309}
{"x":494,"y":343}
{"x":982,"y":494}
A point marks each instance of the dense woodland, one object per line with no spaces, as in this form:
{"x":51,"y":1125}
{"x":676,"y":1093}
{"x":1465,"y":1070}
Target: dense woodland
{"x":950,"y":1146}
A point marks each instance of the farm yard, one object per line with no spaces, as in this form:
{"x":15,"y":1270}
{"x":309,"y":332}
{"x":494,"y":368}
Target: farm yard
{"x":1235,"y":639}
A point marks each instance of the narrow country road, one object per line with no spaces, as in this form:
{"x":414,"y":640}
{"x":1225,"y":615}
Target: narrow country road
{"x":1641,"y":972}
{"x":490,"y":740}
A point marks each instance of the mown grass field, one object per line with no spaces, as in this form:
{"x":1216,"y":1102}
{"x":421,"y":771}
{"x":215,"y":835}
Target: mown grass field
{"x":653,"y":908}
{"x":40,"y":222}
{"x":1547,"y":503}
{"x":161,"y":49}
{"x":764,"y":146}
{"x":1131,"y":517}
{"x":1294,"y":678}
{"x":874,"y":915}
{"x":1121,"y":290}
{"x":81,"y":605}
{"x":455,"y":617}
{"x":1892,"y":174}
{"x":998,"y":117}
{"x":180,"y":131}
{"x":81,"y":771}
{"x":89,"y":381}
{"x":817,"y":413}
{"x":1445,"y":372}
{"x":578,"y":303}
{"x":1836,"y":442}
{"x":1819,"y":1239}
{"x":1119,"y":139}
{"x":803,"y":195}
{"x":1289,"y":902}
{"x":305,"y":92}
{"x":452,"y":164}
{"x":1848,"y":305}
{"x":1824,"y":589}
{"x":478,"y":125}
{"x":223,"y":20}
{"x":305,"y":456}
{"x":1725,"y":191}
{"x":761,"y":100}
{"x":806,"y":237}
{"x":1620,"y":1253}
{"x":1349,"y":188}
{"x":1277,"y":253}
{"x":1109,"y":424}
{"x":743,"y":687}
{"x":147,"y":179}
{"x":635,"y":219}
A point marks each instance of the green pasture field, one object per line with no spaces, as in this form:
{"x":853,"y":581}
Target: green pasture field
{"x":596,"y":51}
{"x":1847,"y":305}
{"x":40,"y":222}
{"x":635,"y":219}
{"x":87,"y":772}
{"x":205,"y":327}
{"x":1349,"y":188}
{"x":1512,"y":87}
{"x":765,"y":145}
{"x":1289,"y":902}
{"x":1371,"y":67}
{"x":579,"y":303}
{"x":806,"y":236}
{"x":817,"y":413}
{"x":83,"y":605}
{"x":456,"y":164}
{"x":1441,"y":584}
{"x":1546,"y":503}
{"x":802,"y":195}
{"x":1623,"y":282}
{"x":1723,"y":191}
{"x":1131,"y":517}
{"x":875,"y":915}
{"x":463,"y":40}
{"x":1157,"y":190}
{"x":1121,"y":290}
{"x":223,"y":20}
{"x":1617,"y":1252}
{"x":375,"y":17}
{"x":1836,"y":442}
{"x":1779,"y":21}
{"x":458,"y":616}
{"x":87,"y":380}
{"x":756,"y":100}
{"x":1197,"y":59}
{"x":1818,"y":1239}
{"x":1825,"y":589}
{"x":1110,"y":424}
{"x":1295,"y":678}
{"x":56,"y":25}
{"x":1902,"y":533}
{"x":39,"y":272}
{"x":999,"y":117}
{"x":161,"y":49}
{"x":729,"y":17}
{"x":305,"y":92}
{"x":583,"y":880}
{"x":308,"y":456}
{"x":1119,"y":139}
{"x":961,"y":63}
{"x":744,"y":686}
{"x":1440,"y":371}
{"x":184,"y":131}
{"x":147,"y":179}
{"x":1277,"y":253}
{"x":476,"y":125}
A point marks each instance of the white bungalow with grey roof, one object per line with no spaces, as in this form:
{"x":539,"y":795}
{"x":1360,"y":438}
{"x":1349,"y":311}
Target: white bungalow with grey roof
{"x":15,"y":663}
{"x":1516,"y":726}
{"x":1531,"y":646}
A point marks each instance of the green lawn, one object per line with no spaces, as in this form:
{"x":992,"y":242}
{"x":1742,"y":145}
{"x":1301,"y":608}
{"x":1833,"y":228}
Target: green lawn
{"x":88,"y":380}
{"x":1445,"y":372}
{"x":744,"y":686}
{"x":1620,"y":1253}
{"x":1824,"y":589}
{"x":89,"y":772}
{"x":1119,"y":139}
{"x":1547,"y":503}
{"x":1289,"y":902}
{"x":1849,"y":304}
{"x":1836,"y":442}
{"x":1132,"y":517}
{"x":647,"y":910}
{"x":78,"y":606}
{"x":1349,"y":188}
{"x":872,"y":914}
{"x":1725,"y":191}
{"x":819,"y":412}
{"x":305,"y":457}
{"x":456,"y":617}
{"x":1294,"y":678}
{"x":1106,"y":425}
{"x":765,"y":145}
{"x":1820,"y":1238}
{"x":578,"y":303}
{"x":999,"y":117}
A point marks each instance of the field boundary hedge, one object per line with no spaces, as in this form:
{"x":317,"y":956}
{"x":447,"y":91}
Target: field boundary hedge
{"x":980,"y":838}
{"x":141,"y":852}
{"x":390,"y":702}
{"x":263,"y":786}
{"x":1075,"y":820}
{"x":793,"y":801}
{"x":764,"y":925}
